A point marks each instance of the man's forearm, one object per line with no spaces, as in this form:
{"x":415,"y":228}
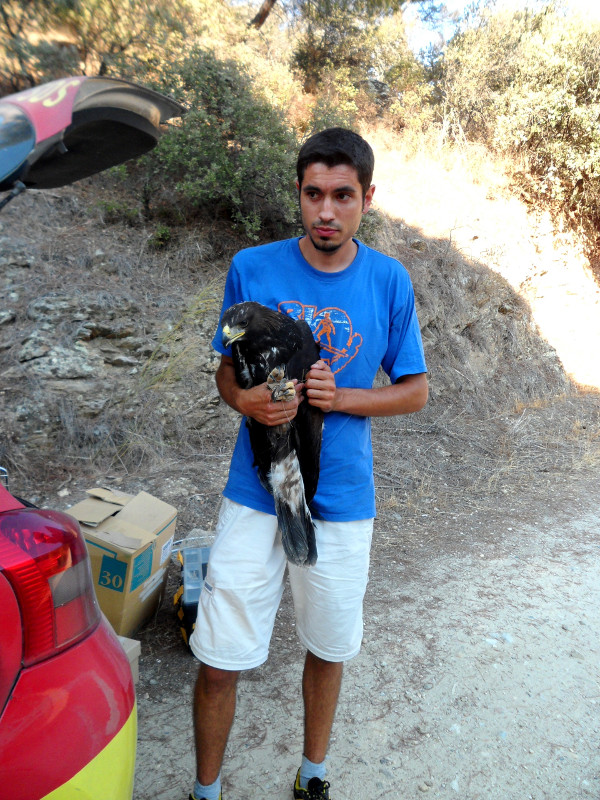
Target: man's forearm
{"x":404,"y":397}
{"x":228,"y":386}
{"x":408,"y":395}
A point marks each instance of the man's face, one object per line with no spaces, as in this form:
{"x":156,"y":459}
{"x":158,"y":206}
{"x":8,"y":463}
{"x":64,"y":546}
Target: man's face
{"x":332,"y":205}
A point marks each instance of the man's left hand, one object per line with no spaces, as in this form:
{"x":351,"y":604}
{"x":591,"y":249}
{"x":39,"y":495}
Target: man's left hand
{"x":320,"y":386}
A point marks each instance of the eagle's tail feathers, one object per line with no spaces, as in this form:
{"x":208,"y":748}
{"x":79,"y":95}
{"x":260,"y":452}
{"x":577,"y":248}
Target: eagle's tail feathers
{"x":295,"y":521}
{"x":297,"y":534}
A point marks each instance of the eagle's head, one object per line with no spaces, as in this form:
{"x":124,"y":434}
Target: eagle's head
{"x":244,"y":318}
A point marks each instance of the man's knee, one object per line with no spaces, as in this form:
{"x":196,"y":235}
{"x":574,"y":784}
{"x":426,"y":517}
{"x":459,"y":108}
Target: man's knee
{"x":214,"y":681}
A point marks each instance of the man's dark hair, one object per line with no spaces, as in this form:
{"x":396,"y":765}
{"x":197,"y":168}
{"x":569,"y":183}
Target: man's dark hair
{"x":336,"y":146}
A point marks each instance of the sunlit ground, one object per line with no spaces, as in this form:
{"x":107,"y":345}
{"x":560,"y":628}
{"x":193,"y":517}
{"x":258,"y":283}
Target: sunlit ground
{"x":467,"y":201}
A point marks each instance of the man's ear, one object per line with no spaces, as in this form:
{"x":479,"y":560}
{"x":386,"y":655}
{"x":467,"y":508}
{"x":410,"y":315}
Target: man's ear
{"x":368,"y":199}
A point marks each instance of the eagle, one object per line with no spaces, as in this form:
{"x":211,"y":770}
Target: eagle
{"x":272,"y":347}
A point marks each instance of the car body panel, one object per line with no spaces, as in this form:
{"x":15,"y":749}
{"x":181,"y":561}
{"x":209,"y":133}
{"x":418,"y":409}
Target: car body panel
{"x":84,"y":697}
{"x":49,"y":106}
{"x":109,"y":775}
{"x":11,"y":651}
{"x":7,"y":501}
{"x":82,"y":125}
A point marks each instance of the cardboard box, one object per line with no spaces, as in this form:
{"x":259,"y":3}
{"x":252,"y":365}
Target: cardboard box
{"x":132,"y":648}
{"x":129,"y":540}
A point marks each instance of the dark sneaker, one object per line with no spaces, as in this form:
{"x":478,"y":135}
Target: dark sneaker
{"x":316,"y":789}
{"x":202,"y":798}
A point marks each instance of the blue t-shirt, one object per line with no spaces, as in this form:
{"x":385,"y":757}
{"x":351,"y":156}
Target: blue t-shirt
{"x":362,"y":317}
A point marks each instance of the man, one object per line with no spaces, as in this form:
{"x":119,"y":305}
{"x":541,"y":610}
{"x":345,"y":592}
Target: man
{"x":364,"y":302}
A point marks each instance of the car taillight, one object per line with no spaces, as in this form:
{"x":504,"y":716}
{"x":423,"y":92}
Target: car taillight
{"x":43,"y":555}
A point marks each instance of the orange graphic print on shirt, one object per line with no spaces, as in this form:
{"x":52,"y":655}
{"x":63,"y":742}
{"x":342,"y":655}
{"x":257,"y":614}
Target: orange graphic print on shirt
{"x":332,"y":329}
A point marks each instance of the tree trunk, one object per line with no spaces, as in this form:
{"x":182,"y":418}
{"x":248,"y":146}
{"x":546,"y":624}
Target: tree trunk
{"x":263,"y":13}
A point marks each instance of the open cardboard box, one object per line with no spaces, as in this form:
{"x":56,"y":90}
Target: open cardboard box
{"x":129,"y":539}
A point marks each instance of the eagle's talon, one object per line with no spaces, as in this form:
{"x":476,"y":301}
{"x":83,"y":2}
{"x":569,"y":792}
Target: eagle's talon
{"x":281,"y":390}
{"x":276,"y":376}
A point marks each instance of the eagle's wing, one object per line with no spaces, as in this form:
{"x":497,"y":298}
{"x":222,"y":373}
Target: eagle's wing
{"x":308,"y":423}
{"x":308,"y":432}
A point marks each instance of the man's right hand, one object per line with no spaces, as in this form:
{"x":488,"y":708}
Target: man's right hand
{"x":255,"y":402}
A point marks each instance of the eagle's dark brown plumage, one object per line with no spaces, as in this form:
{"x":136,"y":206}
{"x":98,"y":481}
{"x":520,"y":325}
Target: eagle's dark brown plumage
{"x":269,"y":346}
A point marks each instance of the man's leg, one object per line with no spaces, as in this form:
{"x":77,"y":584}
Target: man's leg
{"x":214,"y":709}
{"x":321,"y":684}
{"x":328,"y":602}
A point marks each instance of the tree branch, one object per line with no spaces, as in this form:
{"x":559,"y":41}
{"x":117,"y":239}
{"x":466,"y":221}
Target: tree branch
{"x":263,"y":13}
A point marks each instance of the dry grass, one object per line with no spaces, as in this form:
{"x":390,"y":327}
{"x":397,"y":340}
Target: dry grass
{"x":461,"y":197}
{"x":503,"y":416}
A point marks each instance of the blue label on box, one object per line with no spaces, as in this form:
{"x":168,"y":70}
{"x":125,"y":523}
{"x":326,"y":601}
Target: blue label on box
{"x":142,"y":568}
{"x":112,"y":574}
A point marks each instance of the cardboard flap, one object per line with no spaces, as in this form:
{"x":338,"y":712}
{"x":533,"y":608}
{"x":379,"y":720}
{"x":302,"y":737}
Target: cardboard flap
{"x":93,"y":512}
{"x":110,"y":495}
{"x":124,"y":534}
{"x":148,"y":513}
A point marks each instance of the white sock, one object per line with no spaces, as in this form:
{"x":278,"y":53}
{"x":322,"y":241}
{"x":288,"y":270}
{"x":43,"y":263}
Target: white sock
{"x":211,"y":792}
{"x":310,"y":770}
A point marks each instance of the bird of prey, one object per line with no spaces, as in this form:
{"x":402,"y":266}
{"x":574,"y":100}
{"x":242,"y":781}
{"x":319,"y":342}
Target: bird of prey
{"x":268,"y":346}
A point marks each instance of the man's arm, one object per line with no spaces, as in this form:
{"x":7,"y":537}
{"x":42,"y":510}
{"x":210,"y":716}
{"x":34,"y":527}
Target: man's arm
{"x":255,"y":402}
{"x":408,"y":394}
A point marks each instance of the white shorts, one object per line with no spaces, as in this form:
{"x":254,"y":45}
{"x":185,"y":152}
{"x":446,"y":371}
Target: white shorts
{"x":244,"y":585}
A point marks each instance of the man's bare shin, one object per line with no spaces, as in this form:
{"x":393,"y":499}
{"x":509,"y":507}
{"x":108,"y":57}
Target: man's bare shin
{"x":321,"y":684}
{"x":214,"y":710}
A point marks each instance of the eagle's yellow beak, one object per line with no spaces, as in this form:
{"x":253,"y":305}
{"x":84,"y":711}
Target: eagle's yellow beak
{"x":230,"y":335}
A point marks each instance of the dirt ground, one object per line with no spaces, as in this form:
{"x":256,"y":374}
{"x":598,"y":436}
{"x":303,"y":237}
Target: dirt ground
{"x":479,"y":675}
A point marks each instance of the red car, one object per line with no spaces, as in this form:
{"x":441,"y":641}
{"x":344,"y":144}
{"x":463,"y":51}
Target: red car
{"x":67,"y":701}
{"x":68,"y":724}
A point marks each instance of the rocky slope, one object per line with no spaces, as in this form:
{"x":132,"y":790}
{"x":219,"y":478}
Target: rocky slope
{"x":107,"y":371}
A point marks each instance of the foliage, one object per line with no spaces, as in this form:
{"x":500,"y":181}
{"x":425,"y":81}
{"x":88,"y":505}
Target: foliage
{"x":391,"y":58}
{"x":119,"y":211}
{"x":330,"y":42}
{"x":413,"y":112}
{"x":161,"y":236}
{"x":46,"y":39}
{"x":313,"y":9}
{"x":232,"y":155}
{"x":365,"y":39}
{"x":528,"y":84}
{"x":410,"y":94}
{"x":19,"y":23}
{"x":335,"y":105}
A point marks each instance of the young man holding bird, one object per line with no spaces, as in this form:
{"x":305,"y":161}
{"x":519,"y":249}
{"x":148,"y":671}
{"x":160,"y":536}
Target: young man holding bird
{"x":359,"y":304}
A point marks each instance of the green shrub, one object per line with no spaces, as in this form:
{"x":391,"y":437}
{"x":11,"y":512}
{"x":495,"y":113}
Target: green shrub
{"x":232,"y":155}
{"x":528,"y":84}
{"x":161,"y":237}
{"x":119,"y":211}
{"x":335,"y":104}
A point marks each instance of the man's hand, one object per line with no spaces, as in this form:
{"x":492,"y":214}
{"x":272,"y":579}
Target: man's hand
{"x":320,"y":386}
{"x":256,"y":403}
{"x":408,"y":394}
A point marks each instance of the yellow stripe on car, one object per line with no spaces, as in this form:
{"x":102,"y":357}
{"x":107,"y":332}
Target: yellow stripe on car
{"x":109,"y":774}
